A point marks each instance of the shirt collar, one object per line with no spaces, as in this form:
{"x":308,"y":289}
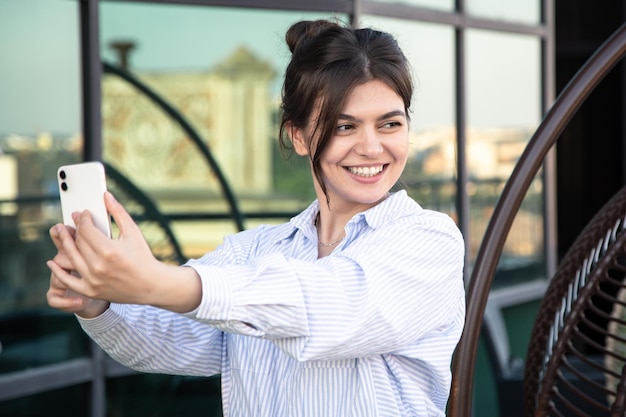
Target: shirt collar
{"x":305,"y":221}
{"x":398,"y":204}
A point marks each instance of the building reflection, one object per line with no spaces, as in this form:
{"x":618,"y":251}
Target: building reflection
{"x":232,"y":109}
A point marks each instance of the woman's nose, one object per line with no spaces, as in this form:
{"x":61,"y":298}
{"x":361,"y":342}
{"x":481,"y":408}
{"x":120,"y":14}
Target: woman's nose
{"x":369,"y":144}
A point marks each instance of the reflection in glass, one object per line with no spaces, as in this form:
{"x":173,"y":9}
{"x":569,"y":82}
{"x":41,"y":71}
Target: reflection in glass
{"x":39,"y":130}
{"x":431,"y":170}
{"x":503,"y":111}
{"x":222,"y":70}
{"x":180,"y":396}
{"x":71,"y":401}
{"x":446,"y":5}
{"x":522,"y":11}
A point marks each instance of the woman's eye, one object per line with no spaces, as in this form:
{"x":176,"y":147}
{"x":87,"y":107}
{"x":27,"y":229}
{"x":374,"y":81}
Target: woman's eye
{"x":392,"y":124}
{"x":343,"y":128}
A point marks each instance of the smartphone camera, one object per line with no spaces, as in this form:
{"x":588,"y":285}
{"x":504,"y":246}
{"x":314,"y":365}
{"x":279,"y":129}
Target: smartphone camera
{"x":62,"y":175}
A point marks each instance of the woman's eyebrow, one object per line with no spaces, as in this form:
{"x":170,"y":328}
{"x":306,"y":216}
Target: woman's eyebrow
{"x":393,"y":113}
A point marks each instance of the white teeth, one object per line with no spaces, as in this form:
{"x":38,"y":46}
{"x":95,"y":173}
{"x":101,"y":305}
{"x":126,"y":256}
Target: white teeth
{"x":366,"y":171}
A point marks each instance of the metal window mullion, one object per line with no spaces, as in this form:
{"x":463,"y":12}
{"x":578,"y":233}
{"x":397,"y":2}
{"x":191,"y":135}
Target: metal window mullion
{"x":462,"y":176}
{"x":457,"y":18}
{"x":336,"y":6}
{"x":98,"y":381}
{"x":356,"y":13}
{"x":549,"y":167}
{"x":33,"y":381}
{"x":622,"y":69}
{"x":91,"y":77}
{"x":91,"y":72}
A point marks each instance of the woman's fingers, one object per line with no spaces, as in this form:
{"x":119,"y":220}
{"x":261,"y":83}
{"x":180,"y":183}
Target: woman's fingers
{"x":122,"y":218}
{"x":101,"y":252}
{"x":54,"y":234}
{"x":90,"y":267}
{"x":89,"y":233}
{"x":63,"y":261}
{"x":60,"y":297}
{"x":69,"y":256}
{"x":117,"y":270}
{"x":62,"y":279}
{"x":63,"y":238}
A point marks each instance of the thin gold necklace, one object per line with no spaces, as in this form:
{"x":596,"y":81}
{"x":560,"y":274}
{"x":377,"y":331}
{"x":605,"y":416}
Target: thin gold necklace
{"x":333,"y":243}
{"x":323,"y":244}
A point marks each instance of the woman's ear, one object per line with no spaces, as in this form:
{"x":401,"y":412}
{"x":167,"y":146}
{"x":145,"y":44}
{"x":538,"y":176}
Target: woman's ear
{"x":297,"y":137}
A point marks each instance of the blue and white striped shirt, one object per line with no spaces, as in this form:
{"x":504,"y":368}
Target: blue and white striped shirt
{"x":367,"y":331}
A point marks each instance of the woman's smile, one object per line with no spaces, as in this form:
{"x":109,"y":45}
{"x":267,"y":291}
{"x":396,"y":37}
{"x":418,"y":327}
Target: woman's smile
{"x":370,"y":171}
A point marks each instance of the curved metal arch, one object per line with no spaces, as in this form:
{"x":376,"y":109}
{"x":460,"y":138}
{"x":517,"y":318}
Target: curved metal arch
{"x":559,"y":115}
{"x":235,"y":212}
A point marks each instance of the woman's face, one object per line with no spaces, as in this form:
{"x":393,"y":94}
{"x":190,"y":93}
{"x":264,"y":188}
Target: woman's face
{"x":368,"y":151}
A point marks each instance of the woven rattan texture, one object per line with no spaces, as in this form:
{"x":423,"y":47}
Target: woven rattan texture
{"x":597,"y":253}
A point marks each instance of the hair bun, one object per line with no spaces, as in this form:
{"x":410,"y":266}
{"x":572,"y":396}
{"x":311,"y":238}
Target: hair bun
{"x":302,"y":31}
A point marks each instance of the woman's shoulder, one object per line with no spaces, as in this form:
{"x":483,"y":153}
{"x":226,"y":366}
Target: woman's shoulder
{"x":406,"y":219}
{"x":402,"y":208}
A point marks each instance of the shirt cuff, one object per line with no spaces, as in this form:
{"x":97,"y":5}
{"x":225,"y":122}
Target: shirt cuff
{"x":216,"y":303}
{"x":105,"y":321}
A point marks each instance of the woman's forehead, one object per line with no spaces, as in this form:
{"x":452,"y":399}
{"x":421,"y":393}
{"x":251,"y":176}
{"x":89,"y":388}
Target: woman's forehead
{"x":374,"y":97}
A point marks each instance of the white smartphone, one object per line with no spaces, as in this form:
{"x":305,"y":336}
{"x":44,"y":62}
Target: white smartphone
{"x":82,"y":187}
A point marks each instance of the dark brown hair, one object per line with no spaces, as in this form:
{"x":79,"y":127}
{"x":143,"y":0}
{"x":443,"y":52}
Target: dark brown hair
{"x":328,"y":61}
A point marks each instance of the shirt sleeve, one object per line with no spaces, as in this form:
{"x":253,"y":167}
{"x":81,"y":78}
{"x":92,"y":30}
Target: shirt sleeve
{"x":385,"y":291}
{"x":149,"y":339}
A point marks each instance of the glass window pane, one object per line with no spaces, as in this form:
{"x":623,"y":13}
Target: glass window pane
{"x":503,"y":111}
{"x":431,"y":171}
{"x":446,"y":5}
{"x":180,"y":396}
{"x":523,"y":11}
{"x":71,"y":401}
{"x":39,"y":130}
{"x":221,"y":69}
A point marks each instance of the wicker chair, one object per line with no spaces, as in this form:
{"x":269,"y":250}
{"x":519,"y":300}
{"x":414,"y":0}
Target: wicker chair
{"x":577,"y":352}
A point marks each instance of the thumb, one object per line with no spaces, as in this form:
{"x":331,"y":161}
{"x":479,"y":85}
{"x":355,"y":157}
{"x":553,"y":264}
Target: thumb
{"x":123,"y":220}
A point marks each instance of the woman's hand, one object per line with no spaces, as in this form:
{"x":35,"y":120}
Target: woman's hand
{"x":121,"y":270}
{"x":60,"y":296}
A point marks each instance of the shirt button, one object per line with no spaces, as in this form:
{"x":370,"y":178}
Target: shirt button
{"x":214,"y":311}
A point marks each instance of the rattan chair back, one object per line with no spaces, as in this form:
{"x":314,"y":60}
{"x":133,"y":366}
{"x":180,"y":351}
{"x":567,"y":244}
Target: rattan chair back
{"x":576,"y":356}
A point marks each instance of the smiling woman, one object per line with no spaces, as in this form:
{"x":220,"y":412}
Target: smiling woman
{"x":357,"y":302}
{"x":366,"y":154}
{"x":484,"y":72}
{"x":363,"y":159}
